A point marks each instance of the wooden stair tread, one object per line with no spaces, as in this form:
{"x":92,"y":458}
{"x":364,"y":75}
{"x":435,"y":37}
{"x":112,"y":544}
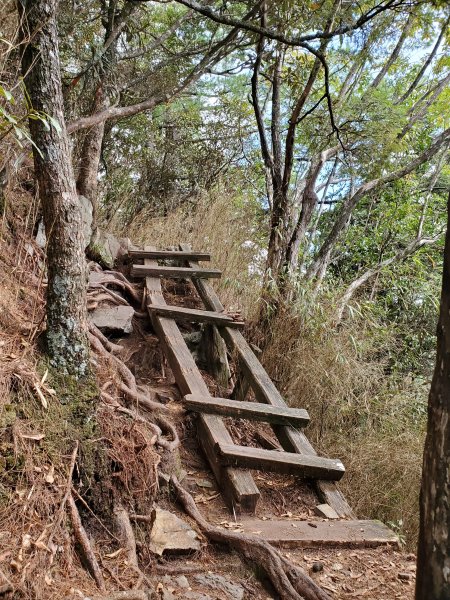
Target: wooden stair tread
{"x":173,"y":272}
{"x":254,"y":411}
{"x":298,"y":534}
{"x":304,"y":465}
{"x":170,"y":254}
{"x":192,"y":314}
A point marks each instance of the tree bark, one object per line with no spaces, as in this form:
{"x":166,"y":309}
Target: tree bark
{"x":433,"y":560}
{"x":66,"y":293}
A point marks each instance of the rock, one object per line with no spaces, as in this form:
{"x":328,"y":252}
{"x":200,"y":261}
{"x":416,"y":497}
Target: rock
{"x":197,"y":596}
{"x":405,"y":576}
{"x":107,"y":249}
{"x":317,"y":567}
{"x":233,"y":591}
{"x":181,"y":582}
{"x":86,"y":217}
{"x":171,"y":533}
{"x":113,"y":318}
{"x":325,"y":510}
{"x":41,"y":238}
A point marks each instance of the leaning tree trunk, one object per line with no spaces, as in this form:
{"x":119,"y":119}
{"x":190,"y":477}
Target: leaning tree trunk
{"x":433,"y":561}
{"x":66,"y":292}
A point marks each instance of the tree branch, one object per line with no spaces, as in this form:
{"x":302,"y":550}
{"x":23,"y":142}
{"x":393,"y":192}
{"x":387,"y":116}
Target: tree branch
{"x":318,"y":266}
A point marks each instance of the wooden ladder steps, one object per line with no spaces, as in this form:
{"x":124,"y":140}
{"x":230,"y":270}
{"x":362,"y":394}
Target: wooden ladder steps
{"x":238,"y":486}
{"x":170,"y":254}
{"x":173,"y":272}
{"x":265,"y":391}
{"x":254,"y":411}
{"x":290,"y":463}
{"x":180,"y":313}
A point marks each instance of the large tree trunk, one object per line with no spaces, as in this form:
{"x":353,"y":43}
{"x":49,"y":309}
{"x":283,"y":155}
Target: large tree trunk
{"x":433,"y":561}
{"x":66,"y":292}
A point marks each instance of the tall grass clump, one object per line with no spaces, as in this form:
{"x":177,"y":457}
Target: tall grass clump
{"x":226,"y":226}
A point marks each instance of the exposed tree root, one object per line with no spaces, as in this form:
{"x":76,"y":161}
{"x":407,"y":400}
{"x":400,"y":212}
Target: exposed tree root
{"x":289,"y":580}
{"x":83,"y":541}
{"x":112,"y":348}
{"x":167,"y":426}
{"x":128,"y":384}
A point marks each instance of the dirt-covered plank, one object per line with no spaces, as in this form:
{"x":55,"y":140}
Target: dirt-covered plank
{"x":289,"y":463}
{"x":169,"y":254}
{"x":154,"y":270}
{"x":238,"y":486}
{"x":180,"y":313}
{"x":265,"y":391}
{"x":298,"y":534}
{"x":254,"y":411}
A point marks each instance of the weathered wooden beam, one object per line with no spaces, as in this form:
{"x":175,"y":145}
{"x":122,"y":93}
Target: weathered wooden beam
{"x":169,"y":254}
{"x":238,"y":486}
{"x":341,"y":534}
{"x":265,"y":391}
{"x":179,"y":313}
{"x":173,"y":272}
{"x":291,"y":463}
{"x":254,"y":411}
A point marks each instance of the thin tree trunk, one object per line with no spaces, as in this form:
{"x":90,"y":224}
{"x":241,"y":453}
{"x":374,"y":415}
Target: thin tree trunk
{"x":66,"y":293}
{"x":433,"y":562}
{"x":87,"y":181}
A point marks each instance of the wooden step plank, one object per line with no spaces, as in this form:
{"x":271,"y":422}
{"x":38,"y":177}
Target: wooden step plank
{"x":290,"y":463}
{"x":299,"y":534}
{"x":170,"y":254}
{"x":239,"y":488}
{"x":254,"y":411}
{"x":180,"y":313}
{"x":173,"y":272}
{"x":291,"y":439}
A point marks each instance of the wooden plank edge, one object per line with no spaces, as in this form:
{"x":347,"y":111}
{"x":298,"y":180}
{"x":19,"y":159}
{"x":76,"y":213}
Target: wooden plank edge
{"x":253,"y":411}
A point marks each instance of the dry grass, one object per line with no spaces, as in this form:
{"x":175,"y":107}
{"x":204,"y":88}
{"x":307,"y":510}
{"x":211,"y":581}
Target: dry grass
{"x":220,"y":224}
{"x":373,"y":422}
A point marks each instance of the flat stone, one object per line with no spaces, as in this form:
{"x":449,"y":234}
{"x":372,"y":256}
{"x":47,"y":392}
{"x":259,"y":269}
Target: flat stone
{"x":232,"y":591}
{"x":325,"y":511}
{"x":181,"y":582}
{"x":113,"y":318}
{"x":170,"y":533}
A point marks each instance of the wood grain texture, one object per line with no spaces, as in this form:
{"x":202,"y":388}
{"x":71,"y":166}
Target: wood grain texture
{"x":179,"y":313}
{"x":254,"y":411}
{"x":289,"y":463}
{"x":154,"y":270}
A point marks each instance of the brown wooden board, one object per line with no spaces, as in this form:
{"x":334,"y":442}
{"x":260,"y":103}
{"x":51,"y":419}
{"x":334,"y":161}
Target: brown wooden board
{"x":179,"y":313}
{"x":172,"y":272}
{"x":265,"y":391}
{"x":170,"y":254}
{"x":300,"y":534}
{"x":238,"y":486}
{"x":289,"y":463}
{"x":254,"y":411}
